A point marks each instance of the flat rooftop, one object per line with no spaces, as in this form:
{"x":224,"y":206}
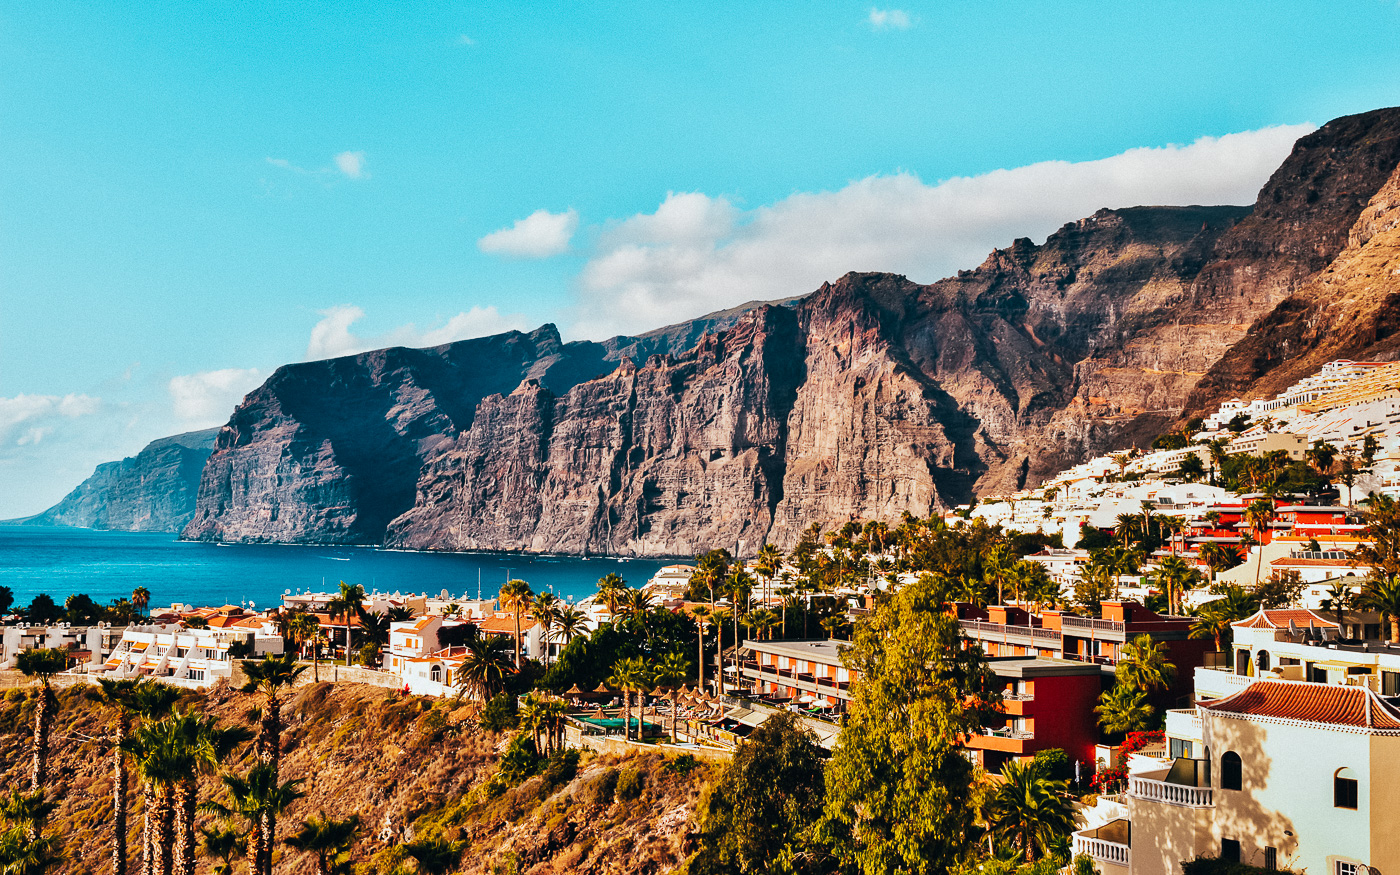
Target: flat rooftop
{"x":824,"y":650}
{"x":1038,"y":666}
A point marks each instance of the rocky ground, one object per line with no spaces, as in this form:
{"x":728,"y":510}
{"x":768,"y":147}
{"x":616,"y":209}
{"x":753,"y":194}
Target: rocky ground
{"x":408,"y":766}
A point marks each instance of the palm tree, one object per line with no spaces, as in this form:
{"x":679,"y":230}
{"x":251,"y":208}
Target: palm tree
{"x":1174,"y":576}
{"x":1321,"y":456}
{"x":516,"y":597}
{"x":117,"y":695}
{"x":485,"y":667}
{"x":152,"y":701}
{"x":435,"y":856}
{"x":1258,"y":515}
{"x":1123,"y":709}
{"x":329,"y":840}
{"x":610,"y":587}
{"x":1216,"y":558}
{"x":269,"y":677}
{"x":256,"y":799}
{"x":671,"y":671}
{"x":1339,"y":598}
{"x":1215,"y":617}
{"x":26,"y":813}
{"x":140,"y":599}
{"x":995,"y":565}
{"x":1143,"y":665}
{"x":152,"y":748}
{"x":531,"y":716}
{"x":350,"y":602}
{"x":22,"y":854}
{"x":1382,"y":593}
{"x":629,"y":675}
{"x":1030,"y":809}
{"x":201,"y":745}
{"x":375,"y":625}
{"x":306,"y":629}
{"x":43,"y":664}
{"x":770,"y":562}
{"x":223,"y":843}
{"x":546,"y":611}
{"x":701,"y":615}
{"x":569,"y":623}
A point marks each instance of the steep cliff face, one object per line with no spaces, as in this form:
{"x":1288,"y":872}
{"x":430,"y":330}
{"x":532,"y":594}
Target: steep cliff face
{"x":153,"y":491}
{"x":872,"y":396}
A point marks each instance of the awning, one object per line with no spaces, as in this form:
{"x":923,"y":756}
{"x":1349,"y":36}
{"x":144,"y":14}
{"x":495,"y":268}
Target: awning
{"x":807,"y":699}
{"x":753,"y":718}
{"x":738,"y":714}
{"x":1336,"y":666}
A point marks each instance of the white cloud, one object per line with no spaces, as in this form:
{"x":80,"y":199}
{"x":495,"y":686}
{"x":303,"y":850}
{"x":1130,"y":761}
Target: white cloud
{"x":464,"y":40}
{"x":331,"y":337}
{"x":207,"y":398}
{"x":699,"y":253}
{"x":35,"y":410}
{"x":538,"y":235}
{"x":352,"y":164}
{"x":890,"y":19}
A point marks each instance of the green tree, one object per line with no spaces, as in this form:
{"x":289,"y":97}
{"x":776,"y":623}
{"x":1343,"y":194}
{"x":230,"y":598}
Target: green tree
{"x":1382,"y":548}
{"x":755,"y":817}
{"x":305,"y":629}
{"x":630,"y":675}
{"x":897,"y":782}
{"x":516,"y":597}
{"x":1031,"y":810}
{"x":256,"y":799}
{"x":1215,"y":617}
{"x":117,"y":695}
{"x":485,"y":667}
{"x":1382,"y":593}
{"x":42,"y":664}
{"x":1123,"y":709}
{"x":348,"y":603}
{"x":269,"y":677}
{"x":222,"y":843}
{"x":671,"y":671}
{"x":328,"y":840}
{"x":141,"y":599}
{"x":611,"y":586}
{"x":546,"y":607}
{"x":1258,"y":515}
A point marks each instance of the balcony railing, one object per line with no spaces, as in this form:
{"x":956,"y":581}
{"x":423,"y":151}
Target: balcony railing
{"x":1092,"y":624}
{"x":1005,"y":733}
{"x":1018,"y":697}
{"x":1004,"y":631}
{"x":1103,"y":851}
{"x":1172,"y":794}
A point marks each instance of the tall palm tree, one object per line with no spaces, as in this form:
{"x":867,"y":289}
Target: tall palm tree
{"x":43,"y":664}
{"x":531,"y":716}
{"x":151,"y":700}
{"x":1143,"y":665}
{"x":140,"y":599}
{"x":1030,"y":809}
{"x":328,"y":840}
{"x":770,"y":562}
{"x":610,"y":588}
{"x":201,"y":746}
{"x":26,"y":814}
{"x":350,"y":602}
{"x":1216,"y":558}
{"x":671,"y":671}
{"x":701,"y":615}
{"x":1174,"y":576}
{"x":569,"y":623}
{"x":153,"y":750}
{"x":117,"y":695}
{"x":256,"y":799}
{"x":22,"y":854}
{"x":1214,"y":619}
{"x":306,"y":629}
{"x":1339,"y":598}
{"x":516,"y":597}
{"x":1258,"y":515}
{"x":485,"y":667}
{"x":546,"y":610}
{"x":269,"y":677}
{"x":375,"y":626}
{"x":1382,"y":593}
{"x":995,"y":565}
{"x":629,"y":675}
{"x":435,"y":856}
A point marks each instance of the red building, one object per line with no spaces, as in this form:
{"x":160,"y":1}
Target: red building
{"x":1047,"y":703}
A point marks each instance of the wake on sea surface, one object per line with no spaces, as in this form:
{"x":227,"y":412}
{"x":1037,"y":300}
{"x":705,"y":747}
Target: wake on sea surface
{"x":109,"y":565}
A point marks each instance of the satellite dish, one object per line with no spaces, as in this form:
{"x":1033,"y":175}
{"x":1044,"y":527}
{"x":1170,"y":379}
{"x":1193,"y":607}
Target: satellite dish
{"x":444,"y":595}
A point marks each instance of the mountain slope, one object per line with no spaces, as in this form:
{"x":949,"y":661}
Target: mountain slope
{"x":153,"y":491}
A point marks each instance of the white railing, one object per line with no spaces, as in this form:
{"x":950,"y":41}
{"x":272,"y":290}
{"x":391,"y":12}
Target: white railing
{"x":1172,"y":794}
{"x":1103,"y":851}
{"x":1184,"y":723}
{"x":1213,"y":680}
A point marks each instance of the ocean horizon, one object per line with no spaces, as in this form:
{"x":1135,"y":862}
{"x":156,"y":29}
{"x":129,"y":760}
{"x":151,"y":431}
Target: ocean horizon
{"x":107,"y":566}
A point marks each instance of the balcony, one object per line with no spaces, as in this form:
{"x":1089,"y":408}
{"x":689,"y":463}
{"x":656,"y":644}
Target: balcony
{"x":1102,"y":850}
{"x":1213,"y":683}
{"x":1184,"y":723}
{"x":1089,"y":624}
{"x":1181,"y":795}
{"x":985,"y":631}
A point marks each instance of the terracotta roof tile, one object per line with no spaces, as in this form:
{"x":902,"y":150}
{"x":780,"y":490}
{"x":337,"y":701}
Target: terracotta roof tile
{"x":1333,"y":704}
{"x":1279,"y":620}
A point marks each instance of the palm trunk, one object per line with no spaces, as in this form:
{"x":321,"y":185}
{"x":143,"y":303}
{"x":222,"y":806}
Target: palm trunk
{"x":165,"y":837}
{"x":185,"y":793}
{"x":119,"y":786}
{"x":701,"y":682}
{"x":43,"y":720}
{"x":267,"y":836}
{"x":1395,"y":630}
{"x":673,"y":718}
{"x":149,"y":818}
{"x":517,"y":641}
{"x":255,"y":853}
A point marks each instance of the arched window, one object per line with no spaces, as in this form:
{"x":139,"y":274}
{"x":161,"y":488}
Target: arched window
{"x":436,"y":673}
{"x":1344,"y":789}
{"x":1262,"y":660}
{"x":1231,"y":775}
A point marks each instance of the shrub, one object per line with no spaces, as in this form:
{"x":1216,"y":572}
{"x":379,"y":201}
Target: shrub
{"x":1217,"y":866}
{"x":600,"y":790}
{"x":561,"y":768}
{"x":1056,"y":763}
{"x":629,"y":785}
{"x":682,"y":765}
{"x":520,"y":760}
{"x":499,"y":713}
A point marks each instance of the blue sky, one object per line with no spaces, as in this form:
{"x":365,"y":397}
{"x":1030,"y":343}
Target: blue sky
{"x":193,"y":194}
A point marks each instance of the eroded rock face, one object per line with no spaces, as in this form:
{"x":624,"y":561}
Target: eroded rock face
{"x":153,"y":491}
{"x":870,"y":397}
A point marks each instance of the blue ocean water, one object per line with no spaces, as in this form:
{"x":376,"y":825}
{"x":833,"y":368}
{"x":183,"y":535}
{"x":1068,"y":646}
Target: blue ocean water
{"x":109,"y":565}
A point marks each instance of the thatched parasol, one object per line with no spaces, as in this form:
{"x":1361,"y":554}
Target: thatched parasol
{"x":603,"y":688}
{"x":573,"y":691}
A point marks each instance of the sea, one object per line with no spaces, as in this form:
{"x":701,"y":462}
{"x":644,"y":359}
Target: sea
{"x":108,"y":565}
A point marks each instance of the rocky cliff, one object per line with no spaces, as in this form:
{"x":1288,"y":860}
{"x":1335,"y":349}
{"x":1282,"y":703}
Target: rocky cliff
{"x":872,"y":396}
{"x":153,"y":491}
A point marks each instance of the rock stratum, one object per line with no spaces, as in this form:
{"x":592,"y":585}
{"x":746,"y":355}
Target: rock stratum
{"x":869,"y":397}
{"x":153,"y":491}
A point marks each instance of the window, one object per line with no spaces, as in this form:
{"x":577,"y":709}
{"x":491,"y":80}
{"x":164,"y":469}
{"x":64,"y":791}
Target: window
{"x":1347,"y":867}
{"x":1271,"y":859}
{"x":1262,"y":660}
{"x":1344,"y":789}
{"x":1390,"y":683}
{"x":1231,"y":774}
{"x":436,"y":673}
{"x":1180,"y":747}
{"x":1230,"y":850}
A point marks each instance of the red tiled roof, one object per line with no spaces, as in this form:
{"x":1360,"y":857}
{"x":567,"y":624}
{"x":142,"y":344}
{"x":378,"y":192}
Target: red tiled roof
{"x":1279,"y":620}
{"x":1332,"y":704}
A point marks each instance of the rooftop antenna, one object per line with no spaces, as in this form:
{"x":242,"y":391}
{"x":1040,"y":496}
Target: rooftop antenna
{"x":478,"y":584}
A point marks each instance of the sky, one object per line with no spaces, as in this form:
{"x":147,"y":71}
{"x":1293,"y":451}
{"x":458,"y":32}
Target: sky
{"x":194,"y":194}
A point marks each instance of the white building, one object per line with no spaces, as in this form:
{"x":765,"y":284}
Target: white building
{"x":88,"y":646}
{"x":187,"y":657}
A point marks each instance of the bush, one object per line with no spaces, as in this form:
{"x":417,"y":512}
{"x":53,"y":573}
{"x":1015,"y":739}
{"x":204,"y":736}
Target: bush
{"x":682,"y":765}
{"x":601,"y":789}
{"x":1056,"y":763}
{"x":630,"y":785}
{"x":499,"y":714}
{"x":1217,"y":866}
{"x":561,"y":768}
{"x":520,"y":760}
